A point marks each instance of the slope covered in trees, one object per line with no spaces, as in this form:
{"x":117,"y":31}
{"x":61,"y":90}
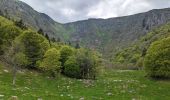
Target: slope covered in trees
{"x":25,"y":48}
{"x":134,"y":54}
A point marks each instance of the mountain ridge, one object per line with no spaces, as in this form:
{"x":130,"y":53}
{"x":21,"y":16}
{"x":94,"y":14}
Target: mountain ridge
{"x":106,"y":35}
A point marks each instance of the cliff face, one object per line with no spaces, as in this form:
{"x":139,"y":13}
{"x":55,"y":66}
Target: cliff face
{"x":105,"y":35}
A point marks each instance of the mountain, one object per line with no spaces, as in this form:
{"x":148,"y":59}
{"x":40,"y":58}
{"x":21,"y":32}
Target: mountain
{"x":110,"y":35}
{"x":106,"y":35}
{"x":17,"y":10}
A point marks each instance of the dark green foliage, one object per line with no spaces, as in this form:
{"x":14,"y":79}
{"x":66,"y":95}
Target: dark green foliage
{"x":58,"y":40}
{"x":77,"y":46}
{"x":157,"y":60}
{"x":21,"y":24}
{"x":82,"y":65}
{"x":65,"y":52}
{"x":35,"y":46}
{"x":72,"y":68}
{"x":40,"y":31}
{"x":47,"y":37}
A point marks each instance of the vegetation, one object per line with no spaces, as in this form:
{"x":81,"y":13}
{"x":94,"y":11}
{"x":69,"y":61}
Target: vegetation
{"x":134,"y":55}
{"x":25,"y":48}
{"x":8,"y":32}
{"x":82,"y":65}
{"x":65,"y":52}
{"x":109,"y":85}
{"x":35,"y":46}
{"x":50,"y":63}
{"x":157,"y":60}
{"x":34,"y":57}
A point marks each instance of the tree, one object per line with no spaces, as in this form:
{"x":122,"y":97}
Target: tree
{"x":58,"y":39}
{"x":40,"y":31}
{"x":35,"y":46}
{"x":72,"y":68}
{"x":157,"y":59}
{"x":8,"y":32}
{"x":16,"y":58}
{"x":53,"y":39}
{"x":51,"y":63}
{"x":47,"y":37}
{"x":77,"y":46}
{"x":21,"y":24}
{"x":82,"y":65}
{"x":69,"y":43}
{"x":65,"y":52}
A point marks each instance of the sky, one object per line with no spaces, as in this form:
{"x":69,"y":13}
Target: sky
{"x":65,"y":11}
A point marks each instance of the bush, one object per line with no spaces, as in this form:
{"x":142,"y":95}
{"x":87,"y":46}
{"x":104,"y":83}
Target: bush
{"x":157,"y":60}
{"x":82,"y":65}
{"x":72,"y":68}
{"x":51,"y":63}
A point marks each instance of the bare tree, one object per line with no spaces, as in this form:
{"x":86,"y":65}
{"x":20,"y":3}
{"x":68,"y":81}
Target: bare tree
{"x":15,"y":58}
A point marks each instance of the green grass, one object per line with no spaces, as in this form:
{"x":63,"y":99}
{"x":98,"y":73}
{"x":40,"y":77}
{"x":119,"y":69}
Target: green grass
{"x":110,"y":85}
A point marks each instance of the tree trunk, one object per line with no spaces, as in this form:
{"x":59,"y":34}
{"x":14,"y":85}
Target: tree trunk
{"x":14,"y":75}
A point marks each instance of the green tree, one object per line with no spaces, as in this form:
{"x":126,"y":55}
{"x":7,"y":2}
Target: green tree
{"x":82,"y":65}
{"x":51,"y":63}
{"x":72,"y":68}
{"x":65,"y":52}
{"x":8,"y":32}
{"x":35,"y":46}
{"x":21,"y":24}
{"x":157,"y":60}
{"x":40,"y":31}
{"x":77,"y":46}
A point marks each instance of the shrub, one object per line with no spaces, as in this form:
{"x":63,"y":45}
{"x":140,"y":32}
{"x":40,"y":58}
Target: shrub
{"x":72,"y":68}
{"x":82,"y":65}
{"x":51,"y":63}
{"x":157,"y":60}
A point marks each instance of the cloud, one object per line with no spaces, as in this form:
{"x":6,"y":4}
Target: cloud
{"x":72,"y":10}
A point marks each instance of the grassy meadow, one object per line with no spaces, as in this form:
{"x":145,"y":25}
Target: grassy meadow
{"x":110,"y":85}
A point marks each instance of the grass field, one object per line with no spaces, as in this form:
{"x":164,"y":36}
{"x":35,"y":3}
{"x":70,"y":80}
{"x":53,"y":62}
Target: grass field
{"x":110,"y":85}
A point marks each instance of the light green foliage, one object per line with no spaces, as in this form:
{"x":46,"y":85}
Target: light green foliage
{"x":65,"y":52}
{"x":157,"y":60}
{"x":20,"y":59}
{"x":8,"y":32}
{"x":51,"y":62}
{"x":135,"y":53}
{"x":35,"y":46}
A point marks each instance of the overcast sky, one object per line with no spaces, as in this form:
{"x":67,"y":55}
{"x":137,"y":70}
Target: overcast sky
{"x":64,"y":11}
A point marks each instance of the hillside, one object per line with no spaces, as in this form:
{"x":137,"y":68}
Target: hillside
{"x":110,"y":35}
{"x":17,"y":10}
{"x":135,"y":53}
{"x":106,"y":35}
